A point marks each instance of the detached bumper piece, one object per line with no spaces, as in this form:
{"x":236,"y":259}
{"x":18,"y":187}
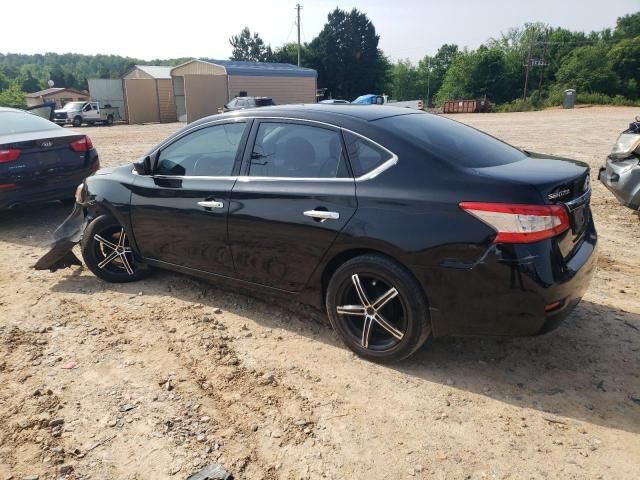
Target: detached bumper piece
{"x":65,"y":237}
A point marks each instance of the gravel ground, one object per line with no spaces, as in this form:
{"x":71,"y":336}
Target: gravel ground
{"x":159,"y":378}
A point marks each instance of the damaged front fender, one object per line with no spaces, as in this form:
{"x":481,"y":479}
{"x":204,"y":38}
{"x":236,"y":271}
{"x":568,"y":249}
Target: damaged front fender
{"x":65,"y":237}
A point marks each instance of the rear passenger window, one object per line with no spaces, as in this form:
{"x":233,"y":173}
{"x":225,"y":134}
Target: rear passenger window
{"x":363,"y":154}
{"x":297,"y":151}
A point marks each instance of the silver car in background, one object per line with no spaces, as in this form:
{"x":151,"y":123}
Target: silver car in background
{"x":621,"y":172}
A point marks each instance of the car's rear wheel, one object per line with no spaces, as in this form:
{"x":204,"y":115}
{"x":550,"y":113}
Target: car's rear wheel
{"x":378,"y":308}
{"x":107,"y":252}
{"x":110,"y":120}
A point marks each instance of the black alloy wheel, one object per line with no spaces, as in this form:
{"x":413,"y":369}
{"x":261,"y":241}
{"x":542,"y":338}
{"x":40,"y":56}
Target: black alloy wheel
{"x":107,"y":252}
{"x":378,"y":308}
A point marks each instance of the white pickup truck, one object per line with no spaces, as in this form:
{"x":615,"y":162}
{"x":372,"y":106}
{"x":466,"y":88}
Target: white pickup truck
{"x":77,"y":113}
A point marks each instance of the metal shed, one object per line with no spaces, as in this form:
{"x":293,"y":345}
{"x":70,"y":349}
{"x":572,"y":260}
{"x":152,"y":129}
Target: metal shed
{"x":201,"y":87}
{"x":148,"y":95}
{"x":108,"y":91}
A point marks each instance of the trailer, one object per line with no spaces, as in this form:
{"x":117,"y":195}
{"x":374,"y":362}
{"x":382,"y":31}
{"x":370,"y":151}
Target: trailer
{"x":466,"y":106}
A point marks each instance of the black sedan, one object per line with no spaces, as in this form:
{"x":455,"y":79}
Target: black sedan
{"x":40,"y":161}
{"x":400,"y":223}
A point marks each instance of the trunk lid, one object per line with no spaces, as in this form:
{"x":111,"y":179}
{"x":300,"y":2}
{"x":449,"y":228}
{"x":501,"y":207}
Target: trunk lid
{"x":559,"y":181}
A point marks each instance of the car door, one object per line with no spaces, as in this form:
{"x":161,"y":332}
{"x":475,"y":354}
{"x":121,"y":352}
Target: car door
{"x":295,"y":195}
{"x":179,"y":213}
{"x":44,"y":110}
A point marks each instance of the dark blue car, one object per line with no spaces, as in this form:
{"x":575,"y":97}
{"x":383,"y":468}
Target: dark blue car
{"x":40,"y":161}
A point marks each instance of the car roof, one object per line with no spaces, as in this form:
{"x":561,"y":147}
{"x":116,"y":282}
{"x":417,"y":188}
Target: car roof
{"x":326,"y":112}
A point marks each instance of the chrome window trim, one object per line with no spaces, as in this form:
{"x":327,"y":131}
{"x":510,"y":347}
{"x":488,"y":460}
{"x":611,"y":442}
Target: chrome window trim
{"x":393,"y":160}
{"x":194,"y":177}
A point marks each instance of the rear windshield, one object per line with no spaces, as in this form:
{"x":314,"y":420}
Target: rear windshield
{"x":451,"y":141}
{"x":23,"y":122}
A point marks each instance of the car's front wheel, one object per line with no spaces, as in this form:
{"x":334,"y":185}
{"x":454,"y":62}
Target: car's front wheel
{"x":107,"y":252}
{"x":378,"y":308}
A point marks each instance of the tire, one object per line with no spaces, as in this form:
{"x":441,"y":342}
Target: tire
{"x":397,"y":327}
{"x":109,"y":120}
{"x":77,"y":121}
{"x":107,"y":252}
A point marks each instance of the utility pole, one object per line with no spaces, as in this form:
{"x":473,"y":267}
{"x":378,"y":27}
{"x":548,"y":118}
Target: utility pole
{"x":544,"y":55}
{"x":428,"y":81}
{"x":298,"y":8}
{"x":526,"y":75}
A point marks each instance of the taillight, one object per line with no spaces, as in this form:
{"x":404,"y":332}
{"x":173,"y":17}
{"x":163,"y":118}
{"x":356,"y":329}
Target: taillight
{"x":516,"y":223}
{"x":82,"y":145}
{"x":9,"y":155}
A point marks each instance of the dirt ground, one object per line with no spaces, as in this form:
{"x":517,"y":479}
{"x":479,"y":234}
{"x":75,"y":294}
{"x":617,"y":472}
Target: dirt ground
{"x":172,"y":374}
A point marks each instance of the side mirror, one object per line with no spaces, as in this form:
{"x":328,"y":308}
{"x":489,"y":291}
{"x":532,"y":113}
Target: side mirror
{"x":143,"y":166}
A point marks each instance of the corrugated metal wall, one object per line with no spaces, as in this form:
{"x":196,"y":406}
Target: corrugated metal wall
{"x":204,"y":94}
{"x":108,"y":91}
{"x":283,"y":90}
{"x":166,"y":102}
{"x":142,"y":100}
{"x":178,"y":94}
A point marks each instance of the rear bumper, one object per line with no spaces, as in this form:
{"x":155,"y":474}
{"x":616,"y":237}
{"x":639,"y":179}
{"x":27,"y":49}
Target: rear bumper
{"x":48,"y":190}
{"x":622,"y":178}
{"x":68,"y":234}
{"x":40,"y":194}
{"x":512,"y":291}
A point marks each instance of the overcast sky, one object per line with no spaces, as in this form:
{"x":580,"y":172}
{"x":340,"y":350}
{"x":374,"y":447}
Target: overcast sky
{"x":200,"y":28}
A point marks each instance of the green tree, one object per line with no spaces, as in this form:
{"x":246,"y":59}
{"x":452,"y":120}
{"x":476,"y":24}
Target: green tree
{"x":624,"y":58}
{"x":12,"y":96}
{"x":249,"y":47}
{"x":628,"y":26}
{"x":347,"y":57}
{"x":587,"y":70}
{"x":28,"y":83}
{"x":405,"y":84}
{"x":479,"y":73}
{"x":288,"y":53}
{"x":432,"y":70}
{"x":4,"y":81}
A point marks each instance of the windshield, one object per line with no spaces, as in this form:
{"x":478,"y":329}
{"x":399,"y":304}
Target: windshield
{"x":452,"y":141}
{"x":364,"y":99}
{"x":73,"y":106}
{"x":23,"y":122}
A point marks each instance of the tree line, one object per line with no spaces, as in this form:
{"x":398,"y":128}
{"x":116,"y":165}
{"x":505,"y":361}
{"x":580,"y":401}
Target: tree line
{"x":603,"y":66}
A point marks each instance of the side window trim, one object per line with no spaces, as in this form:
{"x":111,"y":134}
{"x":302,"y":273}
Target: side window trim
{"x":249,"y":139}
{"x":236,"y":162}
{"x":393,"y":158}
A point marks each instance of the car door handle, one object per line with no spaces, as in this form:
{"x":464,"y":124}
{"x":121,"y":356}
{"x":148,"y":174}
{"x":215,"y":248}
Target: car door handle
{"x":322,"y":215}
{"x":211,"y":204}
